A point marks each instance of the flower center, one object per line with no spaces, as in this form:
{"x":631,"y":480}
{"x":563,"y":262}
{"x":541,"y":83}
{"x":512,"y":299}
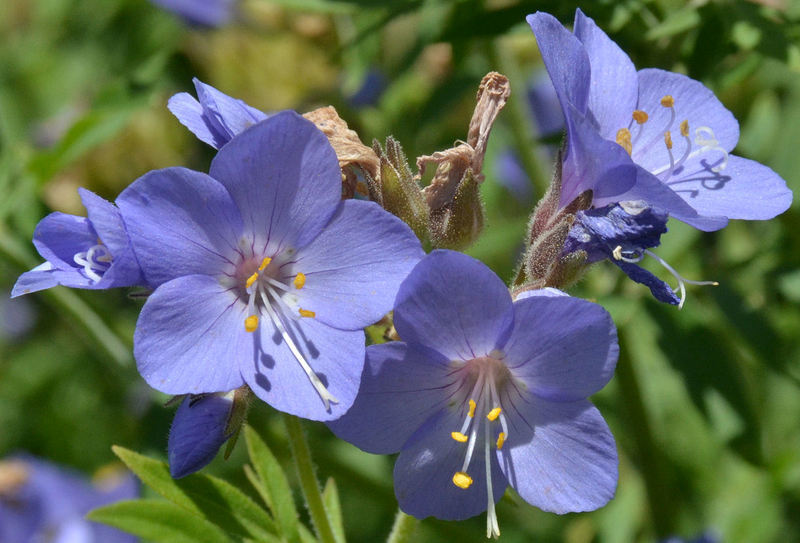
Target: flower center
{"x":95,"y":261}
{"x":271,"y":298}
{"x":488,"y":374}
{"x":704,"y":140}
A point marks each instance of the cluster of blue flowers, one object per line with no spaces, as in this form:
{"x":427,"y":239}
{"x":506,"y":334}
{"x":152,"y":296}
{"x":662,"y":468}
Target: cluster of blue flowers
{"x":262,"y":281}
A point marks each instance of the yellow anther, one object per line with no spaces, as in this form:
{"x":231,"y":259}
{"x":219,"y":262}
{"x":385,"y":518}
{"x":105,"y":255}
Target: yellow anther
{"x":500,"y":440}
{"x":458,"y":436}
{"x":685,"y":129}
{"x":306,"y":313}
{"x":640,"y":116}
{"x":264,"y":263}
{"x":251,"y":323}
{"x":299,"y":280}
{"x":624,"y":139}
{"x":251,"y":280}
{"x":668,"y":139}
{"x":494,"y":413}
{"x":462,"y":480}
{"x":471,"y":408}
{"x":668,"y":101}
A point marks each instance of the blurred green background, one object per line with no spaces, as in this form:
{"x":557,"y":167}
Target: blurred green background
{"x":705,"y":405}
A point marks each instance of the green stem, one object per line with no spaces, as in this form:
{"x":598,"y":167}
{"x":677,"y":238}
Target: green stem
{"x":659,"y":495}
{"x":403,"y":528}
{"x":69,"y":303}
{"x":308,"y":480}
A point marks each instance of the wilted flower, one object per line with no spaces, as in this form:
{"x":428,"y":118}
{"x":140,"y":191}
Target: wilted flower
{"x":484,"y":392}
{"x":650,"y":135}
{"x":264,"y":275}
{"x":40,"y":501}
{"x":91,"y":252}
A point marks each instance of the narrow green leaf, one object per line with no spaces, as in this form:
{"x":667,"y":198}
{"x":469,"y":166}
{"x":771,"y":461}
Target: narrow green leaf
{"x":159,"y":521}
{"x":275,"y":487}
{"x":203,"y":495}
{"x":330,"y":497}
{"x":305,"y":535}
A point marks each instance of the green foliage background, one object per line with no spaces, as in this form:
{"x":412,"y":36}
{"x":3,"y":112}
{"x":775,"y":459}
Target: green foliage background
{"x":705,"y":405}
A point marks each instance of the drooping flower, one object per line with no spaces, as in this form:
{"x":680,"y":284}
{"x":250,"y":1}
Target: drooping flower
{"x":214,"y":117}
{"x":484,"y":392}
{"x":200,"y":12}
{"x":650,"y":135}
{"x":264,"y":275}
{"x":40,"y":501}
{"x":91,"y":252}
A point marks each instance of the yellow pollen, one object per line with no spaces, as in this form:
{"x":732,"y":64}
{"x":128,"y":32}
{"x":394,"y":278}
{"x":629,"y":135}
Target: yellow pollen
{"x":264,"y":263}
{"x":494,"y":413}
{"x":668,"y":101}
{"x":668,"y":140}
{"x":462,"y":480}
{"x":640,"y":116}
{"x":251,"y":280}
{"x":306,"y":313}
{"x":458,"y":436}
{"x":251,"y":323}
{"x":624,"y":139}
{"x":471,"y":408}
{"x":299,"y":280}
{"x":500,"y":440}
{"x":685,"y":129}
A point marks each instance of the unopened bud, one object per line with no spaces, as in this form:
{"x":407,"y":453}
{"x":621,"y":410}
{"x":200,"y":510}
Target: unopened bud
{"x":398,"y":191}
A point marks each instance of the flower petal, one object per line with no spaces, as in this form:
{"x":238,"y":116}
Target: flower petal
{"x":423,"y":473}
{"x":562,"y":348}
{"x":190,"y":336}
{"x":58,"y":237}
{"x":285,"y":179}
{"x":225,"y":116}
{"x":560,"y":457}
{"x":453,"y":304}
{"x":355,"y":266}
{"x":39,"y":278}
{"x":197,"y":432}
{"x":694,"y":102}
{"x":180,"y":222}
{"x":275,"y":375}
{"x":615,"y":84}
{"x":400,"y":387}
{"x":744,"y":189}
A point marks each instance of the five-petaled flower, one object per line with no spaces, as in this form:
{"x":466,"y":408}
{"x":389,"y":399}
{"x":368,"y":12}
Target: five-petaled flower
{"x":650,"y":135}
{"x":91,"y":252}
{"x":484,"y":392}
{"x":264,"y":276}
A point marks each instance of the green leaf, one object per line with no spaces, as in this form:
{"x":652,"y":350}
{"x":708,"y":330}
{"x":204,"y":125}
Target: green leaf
{"x":203,"y":495}
{"x":273,"y":485}
{"x":330,"y":497}
{"x":158,"y":521}
{"x":675,"y":23}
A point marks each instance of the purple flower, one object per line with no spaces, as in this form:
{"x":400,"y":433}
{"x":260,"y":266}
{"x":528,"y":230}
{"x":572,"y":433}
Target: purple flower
{"x":199,"y":429}
{"x":200,"y":12}
{"x":485,"y":392}
{"x":264,"y":275}
{"x":91,"y":252}
{"x":650,"y":135}
{"x":214,"y":117}
{"x":40,"y":501}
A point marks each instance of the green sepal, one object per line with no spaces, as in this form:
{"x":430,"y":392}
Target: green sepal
{"x":460,"y":223}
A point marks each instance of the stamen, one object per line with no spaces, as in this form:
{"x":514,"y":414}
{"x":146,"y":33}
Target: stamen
{"x":500,"y":440}
{"x":306,"y":313}
{"x":632,"y":257}
{"x":251,"y":323}
{"x":496,"y":399}
{"x":462,"y":480}
{"x":668,"y":101}
{"x":299,"y":280}
{"x":493,"y":414}
{"x":458,"y":436}
{"x":250,"y":280}
{"x":685,"y":128}
{"x":472,"y":406}
{"x":640,"y":116}
{"x":668,"y":139}
{"x":668,"y":143}
{"x":264,"y":263}
{"x":682,"y":281}
{"x":624,"y":139}
{"x":705,"y":138}
{"x":94,"y":266}
{"x":326,"y":396}
{"x":276,"y":284}
{"x":492,"y":526}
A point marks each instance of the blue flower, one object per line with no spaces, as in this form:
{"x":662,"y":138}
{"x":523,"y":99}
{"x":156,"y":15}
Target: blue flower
{"x":264,"y":276}
{"x":91,"y":252}
{"x":200,"y":12}
{"x":485,"y":392}
{"x":40,"y":501}
{"x":199,"y":429}
{"x":214,"y":117}
{"x":650,"y":135}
